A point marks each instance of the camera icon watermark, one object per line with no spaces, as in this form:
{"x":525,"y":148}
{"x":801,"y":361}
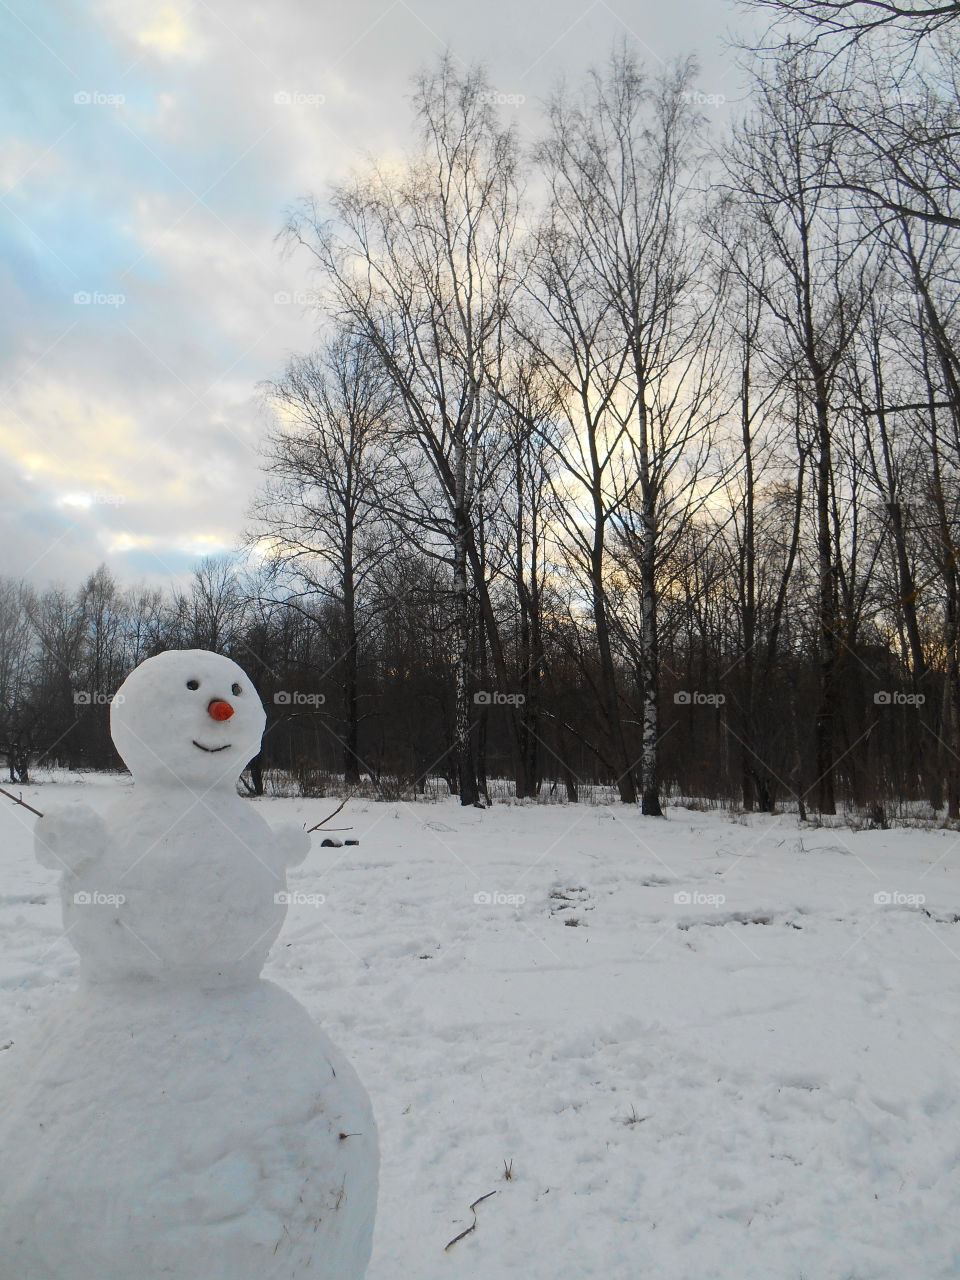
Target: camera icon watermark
{"x":94,"y":898}
{"x":495,"y":98}
{"x":492,"y":698}
{"x":293,"y":98}
{"x":295,"y":698}
{"x":96,"y":698}
{"x":296,"y":898}
{"x":86,"y":298}
{"x":694,"y":898}
{"x":897,"y":899}
{"x":296,"y":298}
{"x":694,"y":698}
{"x":694,"y":98}
{"x":95,"y":98}
{"x":498,"y":899}
{"x":84,"y":500}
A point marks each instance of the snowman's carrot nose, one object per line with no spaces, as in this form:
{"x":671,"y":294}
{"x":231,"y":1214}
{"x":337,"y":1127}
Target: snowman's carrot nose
{"x":219,"y":710}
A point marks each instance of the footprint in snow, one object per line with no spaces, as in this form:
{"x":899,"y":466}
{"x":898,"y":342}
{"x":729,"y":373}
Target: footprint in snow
{"x":569,"y":899}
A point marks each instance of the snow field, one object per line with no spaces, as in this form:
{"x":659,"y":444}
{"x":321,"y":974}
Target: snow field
{"x":739,"y":1063}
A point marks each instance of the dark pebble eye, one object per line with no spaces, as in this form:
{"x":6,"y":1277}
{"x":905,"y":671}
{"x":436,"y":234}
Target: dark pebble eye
{"x":193,"y":684}
{"x":236,"y":690}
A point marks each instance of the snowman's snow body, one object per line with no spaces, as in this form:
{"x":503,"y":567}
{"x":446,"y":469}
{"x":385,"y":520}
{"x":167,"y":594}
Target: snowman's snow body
{"x":180,"y":1118}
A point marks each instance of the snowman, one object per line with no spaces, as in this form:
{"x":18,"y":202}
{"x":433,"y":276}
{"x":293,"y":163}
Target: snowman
{"x":180,"y":1118}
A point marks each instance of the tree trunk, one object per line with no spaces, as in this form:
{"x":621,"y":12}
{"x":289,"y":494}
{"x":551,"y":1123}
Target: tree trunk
{"x":827,"y":620}
{"x":609,"y":696}
{"x":256,"y":774}
{"x":649,"y":659}
{"x":351,"y":674}
{"x":748,"y":776}
{"x":463,"y":748}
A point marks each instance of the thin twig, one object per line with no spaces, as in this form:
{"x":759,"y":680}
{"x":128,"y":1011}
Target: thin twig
{"x":473,"y":1210}
{"x":20,"y":800}
{"x":324,"y":821}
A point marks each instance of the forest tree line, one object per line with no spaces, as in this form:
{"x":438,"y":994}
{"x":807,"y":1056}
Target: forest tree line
{"x":627,"y":459}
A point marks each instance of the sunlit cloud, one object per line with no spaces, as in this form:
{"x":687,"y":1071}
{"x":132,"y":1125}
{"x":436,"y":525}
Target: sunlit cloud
{"x":168,"y":31}
{"x":203,"y":544}
{"x":149,"y":157}
{"x":129,"y":542}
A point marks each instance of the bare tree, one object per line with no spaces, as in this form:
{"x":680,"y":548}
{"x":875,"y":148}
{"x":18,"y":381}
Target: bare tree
{"x":929,"y":255}
{"x":816,"y":289}
{"x":759,"y":523}
{"x":888,"y":74}
{"x":18,"y":715}
{"x":855,"y":20}
{"x":420,"y":263}
{"x":618,"y":272}
{"x":321,"y":517}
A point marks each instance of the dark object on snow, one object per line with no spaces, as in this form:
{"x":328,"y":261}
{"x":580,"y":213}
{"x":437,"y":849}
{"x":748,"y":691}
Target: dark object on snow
{"x":331,"y":844}
{"x":351,"y":842}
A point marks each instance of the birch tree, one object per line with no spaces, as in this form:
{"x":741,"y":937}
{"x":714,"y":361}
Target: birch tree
{"x":322,"y":514}
{"x":815,"y":290}
{"x":619,"y":276}
{"x":418,"y":262}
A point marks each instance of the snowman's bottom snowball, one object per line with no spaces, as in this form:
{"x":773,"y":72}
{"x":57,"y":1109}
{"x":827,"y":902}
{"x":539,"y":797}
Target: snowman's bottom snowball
{"x":182,"y":1135}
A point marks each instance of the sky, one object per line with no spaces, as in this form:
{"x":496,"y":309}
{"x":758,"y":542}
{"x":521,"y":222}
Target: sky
{"x":149,"y":154}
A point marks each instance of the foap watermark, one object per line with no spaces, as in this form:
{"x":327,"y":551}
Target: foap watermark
{"x":296,"y":698}
{"x":298,"y":298}
{"x":93,"y":499}
{"x":495,"y":98}
{"x":94,"y":898}
{"x":897,"y":899}
{"x":493,"y":698}
{"x":294,"y":98}
{"x":96,"y":698}
{"x":694,"y":98}
{"x":896,"y":698}
{"x":96,"y":98}
{"x":297,"y":898}
{"x":498,"y":899}
{"x":694,"y":698}
{"x":93,"y":298}
{"x":694,"y":898}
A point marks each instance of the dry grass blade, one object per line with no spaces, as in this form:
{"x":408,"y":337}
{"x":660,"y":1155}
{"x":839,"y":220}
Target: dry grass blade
{"x":473,"y":1225}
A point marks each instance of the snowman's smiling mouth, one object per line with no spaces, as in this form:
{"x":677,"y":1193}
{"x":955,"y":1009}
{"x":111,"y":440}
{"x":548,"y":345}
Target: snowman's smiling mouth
{"x":210,"y":749}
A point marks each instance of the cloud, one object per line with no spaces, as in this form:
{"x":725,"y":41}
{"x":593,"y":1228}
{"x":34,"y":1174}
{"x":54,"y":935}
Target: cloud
{"x":150,"y":167}
{"x":169,"y":31}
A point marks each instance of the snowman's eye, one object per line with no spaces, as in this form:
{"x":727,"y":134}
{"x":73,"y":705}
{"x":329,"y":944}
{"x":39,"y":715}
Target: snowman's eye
{"x":236,"y":690}
{"x":193,"y":684}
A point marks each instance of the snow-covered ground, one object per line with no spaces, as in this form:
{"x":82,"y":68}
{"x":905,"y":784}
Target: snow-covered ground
{"x":705,"y":1050}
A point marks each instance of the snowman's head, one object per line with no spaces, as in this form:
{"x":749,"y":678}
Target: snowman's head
{"x":187,"y":717}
